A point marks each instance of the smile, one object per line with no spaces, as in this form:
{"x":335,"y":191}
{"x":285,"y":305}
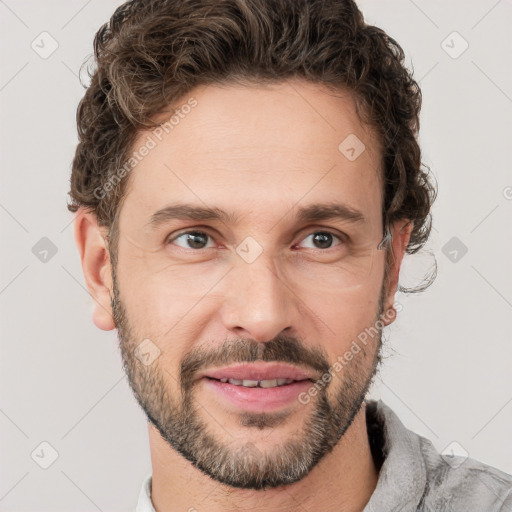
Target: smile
{"x":269,"y":383}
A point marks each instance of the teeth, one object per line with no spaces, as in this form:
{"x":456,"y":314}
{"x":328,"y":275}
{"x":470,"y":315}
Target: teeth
{"x":269,"y":383}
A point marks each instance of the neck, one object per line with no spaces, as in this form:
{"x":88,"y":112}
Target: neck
{"x":342,"y":481}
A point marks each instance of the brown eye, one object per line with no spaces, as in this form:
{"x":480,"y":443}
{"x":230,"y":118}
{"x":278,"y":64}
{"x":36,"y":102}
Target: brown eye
{"x":192,"y":239}
{"x":323,"y":239}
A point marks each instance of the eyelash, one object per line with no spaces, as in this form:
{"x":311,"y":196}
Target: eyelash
{"x":341,"y":238}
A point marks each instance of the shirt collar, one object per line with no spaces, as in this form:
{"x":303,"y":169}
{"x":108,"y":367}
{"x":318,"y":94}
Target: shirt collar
{"x":403,"y":475}
{"x":145,"y":504}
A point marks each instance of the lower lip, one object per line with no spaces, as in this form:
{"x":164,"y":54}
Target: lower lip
{"x":259,"y":399}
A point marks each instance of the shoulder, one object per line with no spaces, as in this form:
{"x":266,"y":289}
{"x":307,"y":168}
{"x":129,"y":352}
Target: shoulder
{"x":413,"y":470}
{"x":458,"y":483}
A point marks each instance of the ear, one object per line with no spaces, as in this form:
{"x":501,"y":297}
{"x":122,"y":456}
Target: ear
{"x":401,"y":234}
{"x":95,"y":258}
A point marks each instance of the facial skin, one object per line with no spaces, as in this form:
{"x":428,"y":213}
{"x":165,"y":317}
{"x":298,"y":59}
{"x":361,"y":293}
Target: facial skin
{"x":259,"y":153}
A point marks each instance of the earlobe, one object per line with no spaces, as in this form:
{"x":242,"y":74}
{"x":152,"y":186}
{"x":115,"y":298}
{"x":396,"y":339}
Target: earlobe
{"x":95,"y":259}
{"x":401,"y":231}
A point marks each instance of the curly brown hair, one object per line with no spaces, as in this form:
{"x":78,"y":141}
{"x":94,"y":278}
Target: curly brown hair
{"x":152,"y":53}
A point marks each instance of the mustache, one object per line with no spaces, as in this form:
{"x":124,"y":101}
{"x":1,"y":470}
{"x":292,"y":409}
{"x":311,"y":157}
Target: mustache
{"x":283,"y":349}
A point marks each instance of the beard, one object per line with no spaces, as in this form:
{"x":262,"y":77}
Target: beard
{"x":178,"y":418}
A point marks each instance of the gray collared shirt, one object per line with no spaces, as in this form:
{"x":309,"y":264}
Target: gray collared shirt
{"x":414,"y":476}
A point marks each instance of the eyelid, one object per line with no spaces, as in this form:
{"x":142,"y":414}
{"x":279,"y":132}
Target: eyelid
{"x":323,"y":229}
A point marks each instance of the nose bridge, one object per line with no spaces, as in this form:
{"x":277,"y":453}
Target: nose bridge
{"x":258,"y":300}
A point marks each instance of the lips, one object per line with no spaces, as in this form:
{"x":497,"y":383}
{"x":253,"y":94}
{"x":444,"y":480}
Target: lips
{"x":248,"y":383}
{"x":257,"y":387}
{"x":258,"y":373}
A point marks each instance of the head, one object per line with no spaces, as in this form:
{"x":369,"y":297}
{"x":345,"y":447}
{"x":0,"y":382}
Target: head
{"x":239,"y":167}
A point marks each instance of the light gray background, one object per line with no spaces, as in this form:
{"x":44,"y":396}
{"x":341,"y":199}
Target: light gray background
{"x":447,"y":373}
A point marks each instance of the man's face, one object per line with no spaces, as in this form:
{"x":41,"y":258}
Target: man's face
{"x":285,"y":296}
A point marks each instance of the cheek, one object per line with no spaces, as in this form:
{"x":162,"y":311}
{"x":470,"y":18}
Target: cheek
{"x":165,"y":304}
{"x":348,"y":317}
{"x":157,"y":287}
{"x":341,"y":317}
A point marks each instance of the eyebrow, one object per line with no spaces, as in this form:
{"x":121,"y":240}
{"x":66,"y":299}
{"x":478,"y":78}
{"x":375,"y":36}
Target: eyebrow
{"x":311,"y":213}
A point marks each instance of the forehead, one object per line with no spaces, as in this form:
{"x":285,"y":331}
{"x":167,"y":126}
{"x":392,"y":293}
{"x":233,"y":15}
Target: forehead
{"x":257,"y":149}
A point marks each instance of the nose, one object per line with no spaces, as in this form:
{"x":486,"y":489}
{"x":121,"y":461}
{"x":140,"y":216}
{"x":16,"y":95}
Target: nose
{"x":258,"y":302}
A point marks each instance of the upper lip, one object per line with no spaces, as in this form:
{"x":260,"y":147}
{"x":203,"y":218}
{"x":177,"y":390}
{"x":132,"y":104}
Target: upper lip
{"x":258,"y":371}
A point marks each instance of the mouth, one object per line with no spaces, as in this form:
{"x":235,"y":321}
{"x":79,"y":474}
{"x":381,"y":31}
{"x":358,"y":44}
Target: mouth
{"x":267,"y":383}
{"x":259,"y":386}
{"x":259,"y":373}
